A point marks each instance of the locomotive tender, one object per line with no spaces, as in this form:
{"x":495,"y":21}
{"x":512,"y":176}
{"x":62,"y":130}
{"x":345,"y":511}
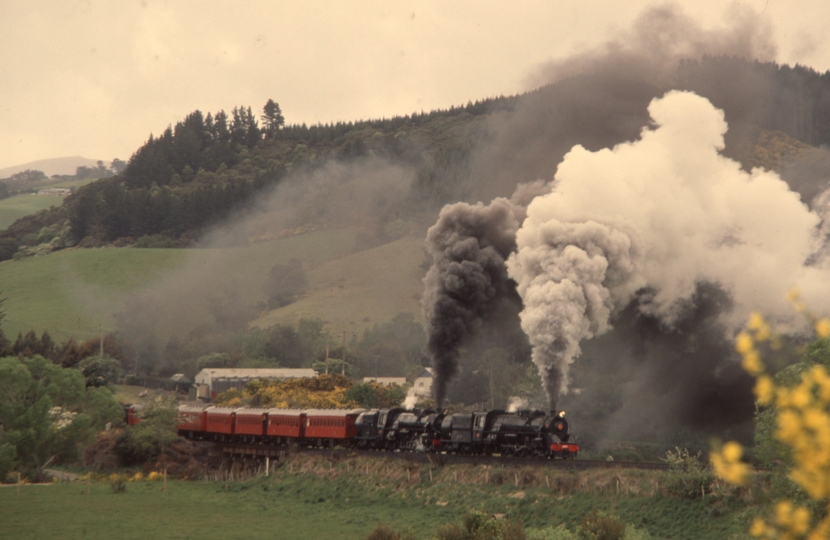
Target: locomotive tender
{"x":523,"y":433}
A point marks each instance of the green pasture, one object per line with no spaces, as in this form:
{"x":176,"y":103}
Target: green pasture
{"x":14,"y":208}
{"x":353,"y":292}
{"x":329,"y":504}
{"x":72,"y":182}
{"x":132,"y":394}
{"x":77,"y":292}
{"x":261,"y":509}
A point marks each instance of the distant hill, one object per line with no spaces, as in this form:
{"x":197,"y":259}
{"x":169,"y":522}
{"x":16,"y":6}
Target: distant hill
{"x":61,"y":165}
{"x":193,"y":176}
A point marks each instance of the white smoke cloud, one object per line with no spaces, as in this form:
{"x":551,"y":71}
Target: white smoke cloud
{"x":663,"y":212}
{"x":516,"y":403}
{"x":411,"y":399}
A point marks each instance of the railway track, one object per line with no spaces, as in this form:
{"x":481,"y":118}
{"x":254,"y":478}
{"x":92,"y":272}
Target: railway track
{"x":280,"y":453}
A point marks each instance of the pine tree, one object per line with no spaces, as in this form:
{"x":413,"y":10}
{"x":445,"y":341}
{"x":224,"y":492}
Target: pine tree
{"x":272,"y":119}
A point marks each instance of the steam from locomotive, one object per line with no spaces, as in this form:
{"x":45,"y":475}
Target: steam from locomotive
{"x":644,"y":222}
{"x":664,"y":213}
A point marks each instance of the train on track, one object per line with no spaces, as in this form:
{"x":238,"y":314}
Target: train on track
{"x":522,"y":433}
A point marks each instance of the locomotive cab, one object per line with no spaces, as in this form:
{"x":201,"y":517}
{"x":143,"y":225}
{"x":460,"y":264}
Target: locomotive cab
{"x":367,"y":428}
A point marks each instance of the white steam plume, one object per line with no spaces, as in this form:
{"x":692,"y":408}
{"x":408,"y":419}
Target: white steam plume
{"x":662,"y":213}
{"x":516,"y":403}
{"x":411,"y":399}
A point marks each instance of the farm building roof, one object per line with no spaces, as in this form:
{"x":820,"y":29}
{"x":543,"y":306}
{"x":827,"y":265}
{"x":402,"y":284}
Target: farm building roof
{"x":262,"y":373}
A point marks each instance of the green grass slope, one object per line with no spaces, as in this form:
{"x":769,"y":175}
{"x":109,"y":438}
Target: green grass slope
{"x":353,"y":292}
{"x":71,"y":293}
{"x":14,"y":208}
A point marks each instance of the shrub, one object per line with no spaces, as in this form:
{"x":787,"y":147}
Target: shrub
{"x":601,"y":526}
{"x":481,"y":526}
{"x":100,"y":370}
{"x":800,"y":398}
{"x":145,"y":441}
{"x":551,"y":533}
{"x":118,"y":483}
{"x":688,"y":477}
{"x":8,"y":455}
{"x":382,"y":532}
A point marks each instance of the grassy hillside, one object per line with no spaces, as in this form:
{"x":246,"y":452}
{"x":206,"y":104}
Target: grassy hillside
{"x":73,"y":292}
{"x":358,"y":290}
{"x":61,"y":165}
{"x":16,"y":207}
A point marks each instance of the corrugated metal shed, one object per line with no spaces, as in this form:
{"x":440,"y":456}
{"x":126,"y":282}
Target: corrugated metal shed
{"x":220,"y":380}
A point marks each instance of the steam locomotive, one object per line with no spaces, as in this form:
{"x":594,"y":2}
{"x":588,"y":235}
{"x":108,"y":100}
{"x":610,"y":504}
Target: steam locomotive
{"x":523,"y":433}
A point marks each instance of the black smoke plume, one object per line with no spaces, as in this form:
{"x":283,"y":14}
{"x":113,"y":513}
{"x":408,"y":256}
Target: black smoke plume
{"x":467,"y":287}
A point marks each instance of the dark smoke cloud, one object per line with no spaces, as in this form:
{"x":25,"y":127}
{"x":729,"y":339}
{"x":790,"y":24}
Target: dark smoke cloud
{"x":600,"y":97}
{"x":687,"y":373}
{"x":661,"y":36}
{"x":467,"y":287}
{"x":645,"y":382}
{"x":808,"y":174}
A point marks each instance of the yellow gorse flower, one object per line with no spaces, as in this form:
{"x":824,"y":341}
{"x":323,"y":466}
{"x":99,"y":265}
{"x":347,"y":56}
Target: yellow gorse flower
{"x":764,"y":390}
{"x":727,"y":463}
{"x":802,"y":423}
{"x":744,"y":343}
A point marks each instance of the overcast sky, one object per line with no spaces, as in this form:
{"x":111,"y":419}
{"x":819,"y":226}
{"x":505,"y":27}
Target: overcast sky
{"x":95,"y":78}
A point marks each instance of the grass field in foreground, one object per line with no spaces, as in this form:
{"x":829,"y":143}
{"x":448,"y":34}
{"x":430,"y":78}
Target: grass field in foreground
{"x":192,"y":510}
{"x":348,"y":498}
{"x":16,"y":207}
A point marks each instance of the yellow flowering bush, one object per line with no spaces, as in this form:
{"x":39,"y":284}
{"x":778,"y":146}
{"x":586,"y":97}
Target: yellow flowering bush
{"x":802,"y":423}
{"x":321,"y":392}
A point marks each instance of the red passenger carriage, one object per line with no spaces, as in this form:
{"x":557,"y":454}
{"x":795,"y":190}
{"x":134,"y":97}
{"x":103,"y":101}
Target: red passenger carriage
{"x":219,"y":422}
{"x":331,"y":424}
{"x":285,"y":423}
{"x":191,"y":420}
{"x":249,"y":424}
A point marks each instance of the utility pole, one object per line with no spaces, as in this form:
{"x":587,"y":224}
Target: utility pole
{"x":344,"y":353}
{"x":102,"y":339}
{"x":327,"y":357}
